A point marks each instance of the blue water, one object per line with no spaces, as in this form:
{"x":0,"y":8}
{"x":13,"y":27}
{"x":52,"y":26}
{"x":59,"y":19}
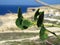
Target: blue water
{"x":13,"y":8}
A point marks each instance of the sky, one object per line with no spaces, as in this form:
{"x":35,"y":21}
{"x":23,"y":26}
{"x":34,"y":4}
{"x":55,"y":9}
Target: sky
{"x":26,"y":2}
{"x":18,"y":2}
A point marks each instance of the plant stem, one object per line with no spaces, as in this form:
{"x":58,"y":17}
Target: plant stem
{"x":54,"y":34}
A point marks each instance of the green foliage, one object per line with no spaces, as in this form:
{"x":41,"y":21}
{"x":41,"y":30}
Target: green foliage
{"x":21,"y":22}
{"x":40,"y":19}
{"x":43,"y":35}
{"x":24,"y":23}
{"x":36,"y":14}
{"x":20,"y":17}
{"x":18,"y":24}
{"x":42,"y":32}
{"x":20,"y":13}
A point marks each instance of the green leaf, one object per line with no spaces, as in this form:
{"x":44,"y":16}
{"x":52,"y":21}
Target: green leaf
{"x":22,"y":27}
{"x":18,"y":24}
{"x":40,"y":19}
{"x":21,"y":22}
{"x":26,"y":23}
{"x":20,"y":17}
{"x":20,"y":13}
{"x":36,"y":14}
{"x":43,"y":35}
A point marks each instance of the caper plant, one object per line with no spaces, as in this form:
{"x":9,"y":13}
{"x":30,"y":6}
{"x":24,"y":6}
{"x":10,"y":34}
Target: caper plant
{"x":23,"y":23}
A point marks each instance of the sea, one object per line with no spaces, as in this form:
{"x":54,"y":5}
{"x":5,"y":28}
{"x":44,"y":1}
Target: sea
{"x":14,"y":8}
